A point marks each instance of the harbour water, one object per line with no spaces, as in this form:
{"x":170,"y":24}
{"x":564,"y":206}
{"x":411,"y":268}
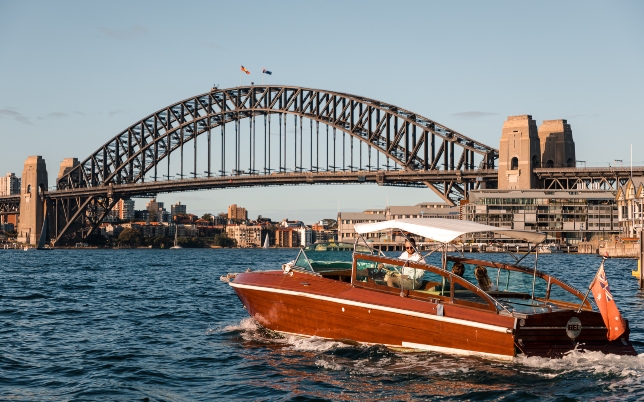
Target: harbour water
{"x":159,"y":325}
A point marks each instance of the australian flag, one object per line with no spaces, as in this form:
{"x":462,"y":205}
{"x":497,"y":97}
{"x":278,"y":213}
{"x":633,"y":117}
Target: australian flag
{"x":265,"y":71}
{"x":607,"y":307}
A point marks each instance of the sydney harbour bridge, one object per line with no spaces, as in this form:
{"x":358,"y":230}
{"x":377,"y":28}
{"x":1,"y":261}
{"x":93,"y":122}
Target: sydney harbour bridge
{"x":277,"y":135}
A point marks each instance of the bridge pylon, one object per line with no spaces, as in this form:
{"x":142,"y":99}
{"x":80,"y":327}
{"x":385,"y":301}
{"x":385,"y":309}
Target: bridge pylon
{"x":34,"y":184}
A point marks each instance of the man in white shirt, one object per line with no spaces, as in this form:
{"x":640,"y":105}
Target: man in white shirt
{"x":411,"y":277}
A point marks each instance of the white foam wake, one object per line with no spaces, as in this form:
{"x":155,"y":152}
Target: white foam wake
{"x":591,"y":362}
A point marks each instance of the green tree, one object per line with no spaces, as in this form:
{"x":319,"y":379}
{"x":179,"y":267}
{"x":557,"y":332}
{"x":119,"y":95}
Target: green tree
{"x":131,"y":237}
{"x":207,"y":217}
{"x":222,"y":240}
{"x":193,"y":242}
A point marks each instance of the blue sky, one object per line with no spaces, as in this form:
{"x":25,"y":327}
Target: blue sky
{"x":73,"y":74}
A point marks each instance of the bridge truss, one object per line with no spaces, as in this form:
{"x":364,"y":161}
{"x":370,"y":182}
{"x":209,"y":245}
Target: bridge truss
{"x":358,"y":135}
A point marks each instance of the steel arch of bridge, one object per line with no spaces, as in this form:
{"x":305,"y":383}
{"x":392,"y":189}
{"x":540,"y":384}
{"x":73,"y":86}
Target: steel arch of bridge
{"x":410,"y":140}
{"x":123,"y":164}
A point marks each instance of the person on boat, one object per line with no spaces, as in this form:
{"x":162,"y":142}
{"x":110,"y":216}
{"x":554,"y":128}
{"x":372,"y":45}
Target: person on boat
{"x":411,"y":277}
{"x":480,"y":272}
{"x":457,"y":269}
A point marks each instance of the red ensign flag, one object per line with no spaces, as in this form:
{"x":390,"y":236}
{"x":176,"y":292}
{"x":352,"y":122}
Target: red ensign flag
{"x":607,"y":307}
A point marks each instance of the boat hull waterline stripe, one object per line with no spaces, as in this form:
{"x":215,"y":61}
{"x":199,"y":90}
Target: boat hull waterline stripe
{"x":418,"y":346}
{"x":453,"y":351}
{"x":377,"y":307}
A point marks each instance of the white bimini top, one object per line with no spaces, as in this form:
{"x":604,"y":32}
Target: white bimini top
{"x":445,"y":230}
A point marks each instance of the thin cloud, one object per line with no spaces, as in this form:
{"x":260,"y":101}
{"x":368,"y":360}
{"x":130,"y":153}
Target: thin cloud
{"x":130,"y":33}
{"x":57,"y":115}
{"x":473,"y":115}
{"x":113,"y":113}
{"x":8,"y":113}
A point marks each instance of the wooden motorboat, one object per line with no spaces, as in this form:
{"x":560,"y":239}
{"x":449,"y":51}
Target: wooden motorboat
{"x":525,"y":311}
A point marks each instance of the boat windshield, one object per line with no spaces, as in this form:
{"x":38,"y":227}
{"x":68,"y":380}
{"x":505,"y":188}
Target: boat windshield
{"x":326,"y":257}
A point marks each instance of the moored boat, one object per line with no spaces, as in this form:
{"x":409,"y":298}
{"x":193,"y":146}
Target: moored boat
{"x":548,"y":249}
{"x":521,"y":310}
{"x":176,"y":245}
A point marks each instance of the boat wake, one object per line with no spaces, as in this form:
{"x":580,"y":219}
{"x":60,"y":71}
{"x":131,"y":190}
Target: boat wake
{"x":596,"y":363}
{"x":250,"y":330}
{"x":354,"y":358}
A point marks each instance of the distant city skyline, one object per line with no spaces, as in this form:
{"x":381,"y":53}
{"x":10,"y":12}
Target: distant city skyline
{"x":72,"y":80}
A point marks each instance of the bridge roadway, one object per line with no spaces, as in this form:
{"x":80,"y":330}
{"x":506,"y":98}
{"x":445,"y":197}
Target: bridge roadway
{"x":607,"y":178}
{"x":411,"y":178}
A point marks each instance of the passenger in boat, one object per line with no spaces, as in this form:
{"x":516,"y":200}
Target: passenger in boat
{"x":480,"y":272}
{"x":411,"y":277}
{"x":457,"y":269}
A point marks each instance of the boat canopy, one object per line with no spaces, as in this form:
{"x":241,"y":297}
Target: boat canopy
{"x":445,"y":230}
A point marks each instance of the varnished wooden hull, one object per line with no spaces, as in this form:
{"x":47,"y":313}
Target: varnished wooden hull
{"x":308,"y":305}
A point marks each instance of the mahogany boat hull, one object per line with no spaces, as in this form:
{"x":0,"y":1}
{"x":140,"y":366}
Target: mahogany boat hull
{"x":307,"y":305}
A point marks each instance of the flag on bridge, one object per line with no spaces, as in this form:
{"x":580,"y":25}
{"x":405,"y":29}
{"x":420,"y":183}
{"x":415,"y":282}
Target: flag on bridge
{"x":245,"y":70}
{"x":265,"y":71}
{"x":607,"y":307}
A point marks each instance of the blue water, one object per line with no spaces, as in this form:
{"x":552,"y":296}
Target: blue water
{"x":158,"y":324}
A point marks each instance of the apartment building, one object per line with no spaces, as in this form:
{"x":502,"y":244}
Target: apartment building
{"x":246,"y":235}
{"x":566,"y":216}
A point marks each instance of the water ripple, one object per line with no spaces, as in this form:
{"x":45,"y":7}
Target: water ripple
{"x":155,"y":325}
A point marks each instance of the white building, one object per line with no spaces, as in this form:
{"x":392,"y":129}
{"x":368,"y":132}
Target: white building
{"x":246,"y":235}
{"x":423,"y":210}
{"x":306,"y":236}
{"x":630,"y":207}
{"x":9,"y":184}
{"x":346,"y":220}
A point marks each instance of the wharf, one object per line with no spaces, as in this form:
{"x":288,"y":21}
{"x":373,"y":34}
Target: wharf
{"x":613,"y":246}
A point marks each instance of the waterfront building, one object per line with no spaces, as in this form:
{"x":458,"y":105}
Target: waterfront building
{"x":178,"y":208}
{"x":423,"y":210}
{"x":185,"y":230}
{"x":306,"y":236}
{"x":630,"y":200}
{"x":346,"y":220}
{"x":9,"y":184}
{"x":566,"y":216}
{"x":237,"y":213}
{"x":287,"y":237}
{"x":246,"y":235}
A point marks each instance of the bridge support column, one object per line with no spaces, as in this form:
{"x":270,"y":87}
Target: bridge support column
{"x":519,"y":153}
{"x":34,"y":182}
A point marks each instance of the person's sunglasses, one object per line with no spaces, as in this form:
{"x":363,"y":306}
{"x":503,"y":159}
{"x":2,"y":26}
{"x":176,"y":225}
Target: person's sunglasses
{"x":409,"y":248}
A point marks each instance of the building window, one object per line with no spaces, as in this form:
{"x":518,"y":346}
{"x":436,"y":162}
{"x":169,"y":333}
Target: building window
{"x":514,"y":163}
